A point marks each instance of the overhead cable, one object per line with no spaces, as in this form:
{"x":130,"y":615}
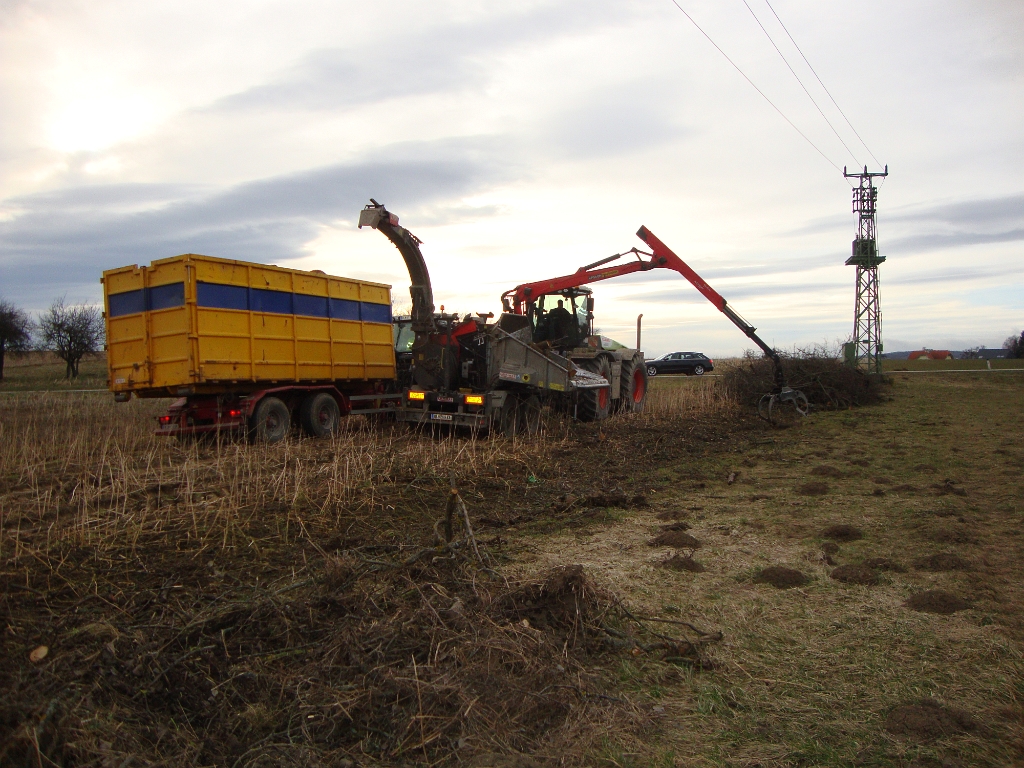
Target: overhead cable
{"x":793,"y":71}
{"x":736,"y":67}
{"x":823,"y":86}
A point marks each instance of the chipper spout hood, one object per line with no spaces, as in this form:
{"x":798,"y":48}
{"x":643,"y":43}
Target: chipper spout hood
{"x":380,"y":218}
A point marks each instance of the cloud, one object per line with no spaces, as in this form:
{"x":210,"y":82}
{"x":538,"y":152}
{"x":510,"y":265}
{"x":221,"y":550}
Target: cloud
{"x":62,"y":240}
{"x":445,"y":58}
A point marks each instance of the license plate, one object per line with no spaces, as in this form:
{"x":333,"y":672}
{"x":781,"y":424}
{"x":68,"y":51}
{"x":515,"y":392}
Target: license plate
{"x":441,"y":416}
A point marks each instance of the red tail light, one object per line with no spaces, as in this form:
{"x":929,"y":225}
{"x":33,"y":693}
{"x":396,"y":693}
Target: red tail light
{"x":234,"y":413}
{"x":165,"y":421}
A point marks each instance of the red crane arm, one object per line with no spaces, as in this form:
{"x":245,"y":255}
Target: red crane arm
{"x":661,"y":257}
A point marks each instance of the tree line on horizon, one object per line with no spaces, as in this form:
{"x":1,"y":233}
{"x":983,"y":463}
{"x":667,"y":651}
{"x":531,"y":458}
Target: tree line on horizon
{"x":70,"y":331}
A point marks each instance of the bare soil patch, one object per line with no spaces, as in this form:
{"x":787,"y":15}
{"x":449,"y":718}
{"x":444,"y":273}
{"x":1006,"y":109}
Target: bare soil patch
{"x":781,"y":577}
{"x":937,"y":601}
{"x":812,"y":489}
{"x":675,"y":538}
{"x":683,"y":563}
{"x":855,"y":574}
{"x":942,"y":561}
{"x":842,"y":532}
{"x":927,"y":720}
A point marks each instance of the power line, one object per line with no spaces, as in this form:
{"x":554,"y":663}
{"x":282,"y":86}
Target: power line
{"x":793,"y":71}
{"x":736,"y":67}
{"x":823,"y":86}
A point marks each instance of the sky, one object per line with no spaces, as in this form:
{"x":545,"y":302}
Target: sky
{"x":523,"y":140}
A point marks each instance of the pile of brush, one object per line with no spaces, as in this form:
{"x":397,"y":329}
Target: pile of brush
{"x":816,"y":371}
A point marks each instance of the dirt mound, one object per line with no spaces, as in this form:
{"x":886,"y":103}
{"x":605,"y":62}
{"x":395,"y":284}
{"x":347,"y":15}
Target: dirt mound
{"x":925,"y":468}
{"x":861,"y":462}
{"x":881,"y":480}
{"x":830,"y":548}
{"x":927,"y":720}
{"x":904,"y":488}
{"x":683,"y":563}
{"x":564,"y":598}
{"x":884,"y":564}
{"x":813,"y":489}
{"x":781,"y":577}
{"x":855,"y":574}
{"x":675,"y":538}
{"x":937,"y":601}
{"x":942,"y":561}
{"x":827,"y":470}
{"x":842,"y":532}
{"x":619,"y":500}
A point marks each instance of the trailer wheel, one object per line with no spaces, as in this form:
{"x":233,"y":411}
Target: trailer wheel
{"x":595,"y":404}
{"x":319,"y":415}
{"x":270,"y":422}
{"x":633,"y":390}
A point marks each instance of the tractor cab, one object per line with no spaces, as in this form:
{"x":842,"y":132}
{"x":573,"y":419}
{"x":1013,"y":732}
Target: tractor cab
{"x":564,"y":319}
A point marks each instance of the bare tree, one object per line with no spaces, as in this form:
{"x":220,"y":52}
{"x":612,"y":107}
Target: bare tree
{"x":15,"y":332}
{"x":1014,"y":346}
{"x":71,"y":333}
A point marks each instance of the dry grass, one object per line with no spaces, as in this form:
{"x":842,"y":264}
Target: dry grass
{"x":243,"y":605}
{"x":194,"y":582}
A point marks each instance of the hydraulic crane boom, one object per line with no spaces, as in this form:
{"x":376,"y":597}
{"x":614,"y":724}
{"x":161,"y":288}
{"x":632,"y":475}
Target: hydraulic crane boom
{"x":661,"y":257}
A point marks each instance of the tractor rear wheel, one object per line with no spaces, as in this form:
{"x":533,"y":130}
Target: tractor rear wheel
{"x":270,"y":422}
{"x":595,"y":404}
{"x":633,"y":390}
{"x":319,"y":415}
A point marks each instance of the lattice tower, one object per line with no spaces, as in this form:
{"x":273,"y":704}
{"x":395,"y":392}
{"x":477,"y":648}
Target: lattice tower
{"x":865,"y":349}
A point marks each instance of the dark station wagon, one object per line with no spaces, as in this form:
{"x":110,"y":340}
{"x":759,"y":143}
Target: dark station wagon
{"x":689,"y":363}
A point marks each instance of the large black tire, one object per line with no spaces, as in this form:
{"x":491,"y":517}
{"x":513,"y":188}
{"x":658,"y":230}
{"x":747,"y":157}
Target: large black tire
{"x":633,"y":389}
{"x":270,"y":422}
{"x":319,"y":415}
{"x":596,"y":404}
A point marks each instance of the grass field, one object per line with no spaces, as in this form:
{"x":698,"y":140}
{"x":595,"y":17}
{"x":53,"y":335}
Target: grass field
{"x":44,"y":371}
{"x":231,"y":604}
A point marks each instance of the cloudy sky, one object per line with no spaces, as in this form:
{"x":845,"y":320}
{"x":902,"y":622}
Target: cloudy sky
{"x":522,"y":140}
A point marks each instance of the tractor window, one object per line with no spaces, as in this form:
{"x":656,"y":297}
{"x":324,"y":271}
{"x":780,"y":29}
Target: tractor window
{"x":404,"y":337}
{"x":581,"y":316}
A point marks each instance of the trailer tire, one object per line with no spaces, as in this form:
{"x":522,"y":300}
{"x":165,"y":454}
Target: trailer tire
{"x":319,"y":415}
{"x":595,"y":404}
{"x":633,"y":389}
{"x":270,"y":422}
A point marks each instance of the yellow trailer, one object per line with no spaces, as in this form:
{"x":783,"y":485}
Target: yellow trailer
{"x":194,"y":326}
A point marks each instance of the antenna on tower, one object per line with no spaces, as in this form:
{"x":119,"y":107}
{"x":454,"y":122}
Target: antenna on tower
{"x":865,"y":349}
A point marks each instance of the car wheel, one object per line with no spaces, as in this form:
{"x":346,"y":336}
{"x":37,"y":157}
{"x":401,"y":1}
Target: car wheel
{"x":698,"y":370}
{"x":652,"y":371}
